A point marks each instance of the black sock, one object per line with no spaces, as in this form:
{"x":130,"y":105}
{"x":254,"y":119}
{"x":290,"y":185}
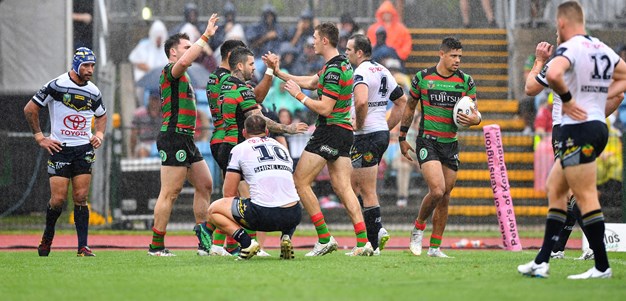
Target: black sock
{"x":242,"y":238}
{"x":554,"y":224}
{"x":372,"y":218}
{"x":593,"y":222}
{"x":52,"y":215}
{"x":573,"y":215}
{"x":81,"y":221}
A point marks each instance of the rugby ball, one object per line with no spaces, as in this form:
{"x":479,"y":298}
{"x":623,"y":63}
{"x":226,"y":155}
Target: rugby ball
{"x":464,"y":105}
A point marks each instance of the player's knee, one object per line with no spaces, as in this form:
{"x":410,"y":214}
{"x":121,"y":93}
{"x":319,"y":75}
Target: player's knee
{"x":437,"y":194}
{"x":57,"y":201}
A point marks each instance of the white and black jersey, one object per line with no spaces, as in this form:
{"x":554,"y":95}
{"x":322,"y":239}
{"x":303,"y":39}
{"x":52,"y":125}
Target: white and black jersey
{"x":592,"y":64}
{"x":267,"y":167}
{"x":382,"y":87}
{"x":557,"y":105}
{"x":72,"y":108}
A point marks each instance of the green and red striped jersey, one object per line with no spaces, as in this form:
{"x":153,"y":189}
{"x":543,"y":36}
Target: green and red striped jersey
{"x":237,"y":99}
{"x":213,"y":89}
{"x":178,"y":102}
{"x":438,"y":95}
{"x":335,"y":81}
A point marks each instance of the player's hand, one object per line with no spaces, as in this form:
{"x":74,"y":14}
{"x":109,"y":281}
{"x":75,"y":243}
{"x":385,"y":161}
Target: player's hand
{"x":271,"y":60}
{"x":50,"y":145}
{"x":96,"y":141}
{"x":211,"y":28}
{"x":405,"y":147}
{"x":543,"y":51}
{"x":571,"y":109}
{"x":292,"y":88}
{"x":468,"y":120}
{"x":297,"y":128}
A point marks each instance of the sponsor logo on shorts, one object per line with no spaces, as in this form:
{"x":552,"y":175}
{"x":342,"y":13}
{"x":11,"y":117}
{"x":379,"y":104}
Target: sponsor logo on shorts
{"x":163,"y":155}
{"x":587,"y":150}
{"x":368,"y":157}
{"x":327,"y":149}
{"x":181,"y":155}
{"x":423,"y":153}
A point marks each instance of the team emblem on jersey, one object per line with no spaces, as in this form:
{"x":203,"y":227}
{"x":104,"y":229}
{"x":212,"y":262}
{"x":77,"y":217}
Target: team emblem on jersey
{"x":163,"y":155}
{"x":77,"y":102}
{"x":587,"y":150}
{"x":431,"y":84}
{"x":423,"y":153}
{"x":181,"y":155}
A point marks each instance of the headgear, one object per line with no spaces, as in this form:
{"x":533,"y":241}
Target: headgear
{"x":82,"y":55}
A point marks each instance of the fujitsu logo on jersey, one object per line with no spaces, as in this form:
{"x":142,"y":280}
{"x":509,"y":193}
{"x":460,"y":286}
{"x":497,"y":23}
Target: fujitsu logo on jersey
{"x":443,"y":99}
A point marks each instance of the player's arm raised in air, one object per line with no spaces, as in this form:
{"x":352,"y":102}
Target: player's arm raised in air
{"x":193,"y":52}
{"x":542,"y":53}
{"x":617,"y":88}
{"x":261,"y":90}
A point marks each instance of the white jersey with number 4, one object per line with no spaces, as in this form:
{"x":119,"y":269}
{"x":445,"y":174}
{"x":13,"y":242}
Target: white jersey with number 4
{"x":589,"y":76}
{"x":267,"y":167}
{"x":380,"y":84}
{"x":71,"y":109}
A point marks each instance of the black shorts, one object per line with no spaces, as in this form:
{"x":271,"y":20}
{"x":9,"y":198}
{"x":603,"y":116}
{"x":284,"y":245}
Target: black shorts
{"x":555,"y":141}
{"x":581,"y":143}
{"x":223,"y":156}
{"x":330,"y":142}
{"x":368,"y":149}
{"x":254,"y":217}
{"x":428,"y":150}
{"x":177,"y":149}
{"x":71,"y":161}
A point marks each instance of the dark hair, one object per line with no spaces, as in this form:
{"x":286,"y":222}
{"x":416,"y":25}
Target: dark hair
{"x":255,"y":124}
{"x":173,"y":41}
{"x":361,"y":42}
{"x":238,"y":55}
{"x":450,"y":43}
{"x":329,"y":31}
{"x":228,"y":46}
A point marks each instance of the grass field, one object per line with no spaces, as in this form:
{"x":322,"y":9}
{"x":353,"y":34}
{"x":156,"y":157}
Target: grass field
{"x":396,"y":275}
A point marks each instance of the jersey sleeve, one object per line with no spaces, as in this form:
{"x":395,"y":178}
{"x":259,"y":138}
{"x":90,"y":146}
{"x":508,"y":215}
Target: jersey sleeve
{"x":233,"y":160}
{"x":392,"y":85}
{"x":330,"y":83}
{"x":43,"y":96}
{"x":415,"y":89}
{"x":168,"y":72}
{"x":567,"y":52}
{"x":359,"y":78}
{"x":471,"y":87}
{"x":98,"y":108}
{"x":541,"y":77}
{"x":248,"y":100}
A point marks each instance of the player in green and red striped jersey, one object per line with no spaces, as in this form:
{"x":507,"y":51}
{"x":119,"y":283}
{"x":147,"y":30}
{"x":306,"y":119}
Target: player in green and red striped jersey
{"x":331,"y":141}
{"x":437,"y":89}
{"x":180,"y":158}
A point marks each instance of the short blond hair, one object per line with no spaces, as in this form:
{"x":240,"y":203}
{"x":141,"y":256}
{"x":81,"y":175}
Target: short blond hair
{"x":571,"y":10}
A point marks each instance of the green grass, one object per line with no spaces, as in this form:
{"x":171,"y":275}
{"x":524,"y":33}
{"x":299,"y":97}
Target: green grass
{"x":396,"y":275}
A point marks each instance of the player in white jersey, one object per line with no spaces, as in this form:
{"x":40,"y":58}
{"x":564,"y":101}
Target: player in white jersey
{"x":72,"y":102}
{"x":273,"y":205}
{"x":373,"y":87}
{"x":580,"y":74}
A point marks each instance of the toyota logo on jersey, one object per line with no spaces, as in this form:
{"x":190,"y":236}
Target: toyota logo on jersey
{"x":75,"y":122}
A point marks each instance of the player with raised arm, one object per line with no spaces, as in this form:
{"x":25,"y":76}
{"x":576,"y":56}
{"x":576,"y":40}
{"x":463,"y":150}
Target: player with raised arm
{"x":374,"y":86}
{"x":180,"y":157}
{"x":72,"y":101}
{"x":580,"y":73}
{"x":273,"y":204}
{"x":437,"y":89}
{"x":331,"y":142}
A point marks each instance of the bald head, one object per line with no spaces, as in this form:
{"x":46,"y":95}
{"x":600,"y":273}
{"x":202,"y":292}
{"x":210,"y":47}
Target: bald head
{"x":571,"y":11}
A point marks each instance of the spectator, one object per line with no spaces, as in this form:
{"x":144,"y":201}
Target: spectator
{"x":465,"y":12}
{"x":146,"y":126}
{"x":543,"y":121}
{"x":82,"y":17}
{"x":398,"y":36}
{"x":190,"y":13}
{"x":303,"y":30}
{"x":265,"y":36}
{"x":347,"y":28}
{"x":149,"y":52}
{"x":308,"y":62}
{"x":228,"y":28}
{"x":382,"y":51}
{"x":400,"y":164}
